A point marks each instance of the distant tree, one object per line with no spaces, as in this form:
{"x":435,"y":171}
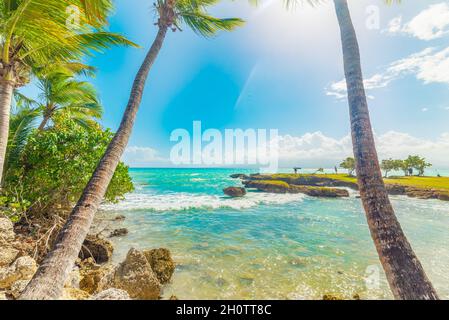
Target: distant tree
{"x":418,"y":163}
{"x":388,"y":166}
{"x":348,"y":164}
{"x":320,"y":170}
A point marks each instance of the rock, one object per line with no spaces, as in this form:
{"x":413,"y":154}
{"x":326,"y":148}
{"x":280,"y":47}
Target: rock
{"x":7,"y":255}
{"x":3,"y":296}
{"x":99,"y":249}
{"x":331,"y":297}
{"x":97,"y":279}
{"x":235,"y":192}
{"x":273,"y":186}
{"x":270,"y":186}
{"x":320,"y":192}
{"x":119,"y":233}
{"x":443,"y":196}
{"x":162,"y":263}
{"x":240,"y":176}
{"x":17,"y":288}
{"x":135,"y":276}
{"x":120,"y":218}
{"x":173,"y":297}
{"x":396,"y":190}
{"x":73,"y":281}
{"x":112,"y":294}
{"x":6,"y":230}
{"x":74,"y":294}
{"x":22,"y":269}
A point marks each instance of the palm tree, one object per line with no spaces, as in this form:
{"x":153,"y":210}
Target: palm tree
{"x":23,"y":119}
{"x":405,"y":274}
{"x":61,"y":93}
{"x":34,"y":34}
{"x":49,"y":280}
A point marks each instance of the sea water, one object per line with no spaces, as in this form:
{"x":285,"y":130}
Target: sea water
{"x":269,"y":246}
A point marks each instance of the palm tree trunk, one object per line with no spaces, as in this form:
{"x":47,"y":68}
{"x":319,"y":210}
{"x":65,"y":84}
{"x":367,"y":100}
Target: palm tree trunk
{"x":49,"y":280}
{"x":404,"y":272}
{"x":44,"y":122}
{"x":6,"y":91}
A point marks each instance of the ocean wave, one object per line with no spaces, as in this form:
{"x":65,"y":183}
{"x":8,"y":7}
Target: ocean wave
{"x":188,"y":201}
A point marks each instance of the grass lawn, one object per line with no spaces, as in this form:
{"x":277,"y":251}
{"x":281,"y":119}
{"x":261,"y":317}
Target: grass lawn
{"x":441,"y":183}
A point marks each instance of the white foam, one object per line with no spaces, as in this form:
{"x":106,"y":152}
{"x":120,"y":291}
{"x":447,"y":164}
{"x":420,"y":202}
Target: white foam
{"x":186,"y":201}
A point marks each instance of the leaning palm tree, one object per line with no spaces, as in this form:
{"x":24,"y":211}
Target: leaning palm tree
{"x":35,"y":34}
{"x":61,"y":93}
{"x":49,"y":280}
{"x":404,"y":272}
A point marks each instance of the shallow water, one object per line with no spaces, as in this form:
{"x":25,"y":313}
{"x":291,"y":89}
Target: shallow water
{"x":268,"y":246}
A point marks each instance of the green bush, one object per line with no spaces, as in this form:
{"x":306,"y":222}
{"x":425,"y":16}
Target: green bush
{"x":55,"y":166}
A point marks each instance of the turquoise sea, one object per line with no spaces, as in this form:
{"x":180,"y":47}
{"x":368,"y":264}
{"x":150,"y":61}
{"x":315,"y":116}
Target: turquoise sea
{"x":268,"y":246}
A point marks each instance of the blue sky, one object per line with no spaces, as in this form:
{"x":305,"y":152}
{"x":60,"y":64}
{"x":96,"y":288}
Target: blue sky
{"x":282,"y":70}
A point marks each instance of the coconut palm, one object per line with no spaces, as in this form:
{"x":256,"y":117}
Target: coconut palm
{"x":404,"y":272}
{"x":49,"y":280}
{"x":61,"y":93}
{"x":35,"y":34}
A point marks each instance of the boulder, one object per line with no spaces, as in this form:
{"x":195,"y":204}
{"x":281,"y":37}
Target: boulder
{"x":112,"y":294}
{"x":135,"y":276}
{"x":120,"y":218}
{"x":162,"y":263}
{"x":8,"y":255}
{"x":74,"y":294}
{"x":118,"y":233}
{"x":235,"y":192}
{"x":97,"y":278}
{"x":22,"y":269}
{"x":97,"y":248}
{"x":17,"y":288}
{"x":6,"y":230}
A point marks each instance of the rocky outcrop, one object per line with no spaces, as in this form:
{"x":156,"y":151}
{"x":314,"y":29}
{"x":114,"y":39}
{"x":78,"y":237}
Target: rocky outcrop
{"x":74,"y":294}
{"x":6,"y":230}
{"x":118,"y":233}
{"x":8,"y":255}
{"x":135,"y":276}
{"x":21,"y":269}
{"x":95,"y":278}
{"x":112,"y":294}
{"x":235,"y":192}
{"x":97,"y":248}
{"x":272,"y":186}
{"x":306,"y":180}
{"x":162,"y":263}
{"x":240,"y":176}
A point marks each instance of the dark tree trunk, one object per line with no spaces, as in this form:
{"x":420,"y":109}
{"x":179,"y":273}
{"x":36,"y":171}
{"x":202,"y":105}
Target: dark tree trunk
{"x":6,"y":91}
{"x":404,"y":272}
{"x":44,"y":122}
{"x":49,"y":280}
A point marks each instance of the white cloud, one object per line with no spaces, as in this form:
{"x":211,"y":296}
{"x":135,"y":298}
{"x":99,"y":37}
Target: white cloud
{"x":425,"y":109}
{"x":318,"y":150}
{"x":141,"y":156}
{"x":430,"y":66}
{"x":429,"y":24}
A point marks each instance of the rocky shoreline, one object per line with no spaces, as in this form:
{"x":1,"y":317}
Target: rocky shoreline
{"x":141,"y":276}
{"x":322,"y":186}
